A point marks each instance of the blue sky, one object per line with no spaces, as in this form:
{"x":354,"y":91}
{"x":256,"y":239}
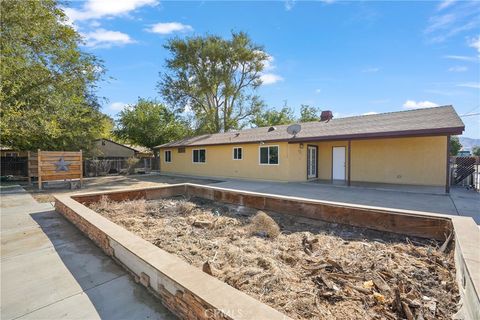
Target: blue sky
{"x":349,"y":57}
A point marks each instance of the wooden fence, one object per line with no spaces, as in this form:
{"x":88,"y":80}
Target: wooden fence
{"x":55,"y":165}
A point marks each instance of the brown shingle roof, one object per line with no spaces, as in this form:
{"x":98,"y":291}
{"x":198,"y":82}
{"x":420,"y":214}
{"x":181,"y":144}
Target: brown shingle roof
{"x":429,"y":121}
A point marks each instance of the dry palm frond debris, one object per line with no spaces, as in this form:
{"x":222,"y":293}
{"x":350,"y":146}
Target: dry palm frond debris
{"x":307,"y":269}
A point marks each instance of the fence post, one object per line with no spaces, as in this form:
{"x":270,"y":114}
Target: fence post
{"x":28,"y":169}
{"x":81,"y":168}
{"x":39,"y":169}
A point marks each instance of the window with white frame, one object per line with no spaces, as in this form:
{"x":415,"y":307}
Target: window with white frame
{"x":168,"y":155}
{"x":237,"y":153}
{"x":199,"y":156}
{"x":269,"y":155}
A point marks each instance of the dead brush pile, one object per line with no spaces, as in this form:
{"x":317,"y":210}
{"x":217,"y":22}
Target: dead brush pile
{"x":309,"y":270}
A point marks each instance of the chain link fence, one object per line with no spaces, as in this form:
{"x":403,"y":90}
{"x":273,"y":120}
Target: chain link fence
{"x":103,"y":167}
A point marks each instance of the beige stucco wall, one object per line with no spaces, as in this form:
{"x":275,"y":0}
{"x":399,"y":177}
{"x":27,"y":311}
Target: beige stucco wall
{"x":111,"y":149}
{"x":220,"y":163}
{"x":419,"y":160}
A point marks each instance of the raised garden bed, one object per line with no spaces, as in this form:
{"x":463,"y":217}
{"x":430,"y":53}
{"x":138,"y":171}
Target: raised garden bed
{"x":311,"y":269}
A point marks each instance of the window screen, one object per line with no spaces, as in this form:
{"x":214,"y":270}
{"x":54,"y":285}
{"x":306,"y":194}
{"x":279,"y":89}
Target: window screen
{"x":199,"y":156}
{"x":269,"y":155}
{"x":237,"y":154}
{"x":168,"y":156}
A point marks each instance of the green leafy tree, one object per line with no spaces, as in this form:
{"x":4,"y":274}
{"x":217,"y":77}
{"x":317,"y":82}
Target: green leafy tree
{"x":309,"y":113}
{"x":216,"y":78}
{"x":476,"y":151}
{"x":149,"y":123}
{"x":273,"y":117}
{"x":47,"y":90}
{"x":455,"y":145}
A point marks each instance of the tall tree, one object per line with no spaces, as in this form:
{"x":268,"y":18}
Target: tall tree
{"x":149,"y":123}
{"x":476,"y":151}
{"x":455,"y":145}
{"x":273,"y":117}
{"x":47,"y":91}
{"x":215,"y":78}
{"x":309,"y":113}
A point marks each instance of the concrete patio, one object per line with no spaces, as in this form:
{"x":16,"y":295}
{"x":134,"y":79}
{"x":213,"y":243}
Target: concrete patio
{"x":49,"y":270}
{"x":459,"y":202}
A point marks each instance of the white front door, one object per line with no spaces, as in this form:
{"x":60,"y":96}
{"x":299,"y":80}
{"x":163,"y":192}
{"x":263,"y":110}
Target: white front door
{"x":311,"y":162}
{"x":338,"y":163}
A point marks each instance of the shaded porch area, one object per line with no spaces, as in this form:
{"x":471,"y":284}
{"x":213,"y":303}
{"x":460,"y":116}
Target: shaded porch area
{"x":407,"y":164}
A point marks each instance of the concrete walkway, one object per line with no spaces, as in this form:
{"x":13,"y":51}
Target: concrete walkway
{"x":49,"y":270}
{"x":460,"y":201}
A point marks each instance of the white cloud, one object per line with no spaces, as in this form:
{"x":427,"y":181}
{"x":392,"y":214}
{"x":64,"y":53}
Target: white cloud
{"x":458,"y":19}
{"x":371,"y":70}
{"x":458,"y":69}
{"x":95,"y":9}
{"x":318,"y":91}
{"x":102,"y":38}
{"x":270,"y":78}
{"x":94,"y":24}
{"x":289,"y":4}
{"x":461,"y":58}
{"x":169,"y":27}
{"x":369,"y":113}
{"x":445,"y":4}
{"x":117,"y":106}
{"x":440,"y":22}
{"x":473,"y":85}
{"x":412,"y":104}
{"x":475,"y":43}
{"x":268,"y":63}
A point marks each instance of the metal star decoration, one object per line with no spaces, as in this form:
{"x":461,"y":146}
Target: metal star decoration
{"x":62,"y":165}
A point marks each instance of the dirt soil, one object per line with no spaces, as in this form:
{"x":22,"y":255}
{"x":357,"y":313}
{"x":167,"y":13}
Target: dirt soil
{"x":305,"y":268}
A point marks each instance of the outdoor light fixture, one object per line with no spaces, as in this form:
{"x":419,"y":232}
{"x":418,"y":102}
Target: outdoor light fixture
{"x":301,"y":145}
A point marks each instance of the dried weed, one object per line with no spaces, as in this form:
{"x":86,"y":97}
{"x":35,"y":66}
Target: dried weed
{"x":310,"y":270}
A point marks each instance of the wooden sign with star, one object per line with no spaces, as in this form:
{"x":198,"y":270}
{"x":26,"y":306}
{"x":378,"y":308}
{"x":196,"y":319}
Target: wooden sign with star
{"x":55,"y":165}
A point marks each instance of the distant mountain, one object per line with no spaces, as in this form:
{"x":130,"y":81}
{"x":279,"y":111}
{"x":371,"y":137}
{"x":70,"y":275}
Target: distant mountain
{"x":469,"y":143}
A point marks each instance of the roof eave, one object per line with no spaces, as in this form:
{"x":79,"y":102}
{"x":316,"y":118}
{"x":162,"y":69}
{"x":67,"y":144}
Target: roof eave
{"x":388,"y":134}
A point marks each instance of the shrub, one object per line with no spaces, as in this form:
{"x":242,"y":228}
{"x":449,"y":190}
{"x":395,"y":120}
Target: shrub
{"x":263,"y":225}
{"x":131,"y":163}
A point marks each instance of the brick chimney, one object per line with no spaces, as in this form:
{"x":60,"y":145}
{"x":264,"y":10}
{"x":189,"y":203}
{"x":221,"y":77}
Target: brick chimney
{"x":326,"y":115}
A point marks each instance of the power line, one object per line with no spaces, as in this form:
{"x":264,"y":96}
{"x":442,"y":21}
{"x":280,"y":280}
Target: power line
{"x":470,"y":114}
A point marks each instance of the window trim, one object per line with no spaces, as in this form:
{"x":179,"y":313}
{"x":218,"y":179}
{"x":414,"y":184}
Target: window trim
{"x":233,"y":153}
{"x":260,"y":155}
{"x":165,"y":156}
{"x":193,"y":152}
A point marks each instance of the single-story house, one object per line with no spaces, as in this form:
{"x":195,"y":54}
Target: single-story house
{"x":109,"y":149}
{"x":405,"y":147}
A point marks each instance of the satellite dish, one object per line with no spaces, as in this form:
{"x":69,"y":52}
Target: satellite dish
{"x":294,"y":129}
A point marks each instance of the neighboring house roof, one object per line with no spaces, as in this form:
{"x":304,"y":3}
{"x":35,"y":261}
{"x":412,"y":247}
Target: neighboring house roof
{"x":428,"y":121}
{"x":135,"y":148}
{"x":139,"y":149}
